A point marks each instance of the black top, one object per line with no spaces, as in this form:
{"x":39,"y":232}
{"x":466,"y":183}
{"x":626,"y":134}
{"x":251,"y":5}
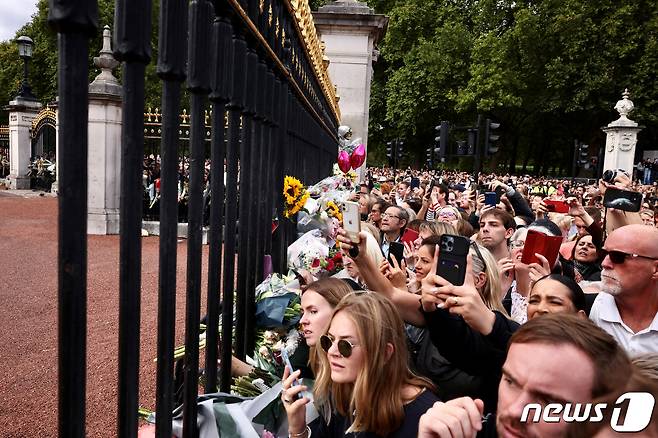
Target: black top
{"x":472,"y":352}
{"x":409,"y":428}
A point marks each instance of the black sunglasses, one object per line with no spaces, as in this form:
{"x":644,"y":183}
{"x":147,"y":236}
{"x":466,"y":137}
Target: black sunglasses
{"x":344,"y":346}
{"x":619,"y":257}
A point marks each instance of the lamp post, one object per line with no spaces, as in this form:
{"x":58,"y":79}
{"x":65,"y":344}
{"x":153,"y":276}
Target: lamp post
{"x":25,"y":51}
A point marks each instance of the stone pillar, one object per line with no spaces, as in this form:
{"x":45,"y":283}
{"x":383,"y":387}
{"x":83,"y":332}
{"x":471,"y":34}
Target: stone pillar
{"x":350,"y":31}
{"x":104,"y":157}
{"x":21,"y":114}
{"x":621,"y":138}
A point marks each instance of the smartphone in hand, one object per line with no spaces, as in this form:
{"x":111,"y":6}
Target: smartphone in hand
{"x":409,"y":236}
{"x":452,"y":258}
{"x":625,"y":200}
{"x":395,"y":251}
{"x":540,"y":243}
{"x":491,"y":198}
{"x":351,"y":220}
{"x":556,"y":206}
{"x":286,"y":362}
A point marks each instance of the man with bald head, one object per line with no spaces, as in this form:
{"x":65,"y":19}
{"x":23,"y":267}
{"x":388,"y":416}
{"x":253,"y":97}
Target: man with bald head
{"x":628,"y":308}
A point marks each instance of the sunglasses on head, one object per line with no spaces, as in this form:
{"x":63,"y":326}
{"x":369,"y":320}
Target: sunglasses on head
{"x":619,"y":257}
{"x":344,"y":346}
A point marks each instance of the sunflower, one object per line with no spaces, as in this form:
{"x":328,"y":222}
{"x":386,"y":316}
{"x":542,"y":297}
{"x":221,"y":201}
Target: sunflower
{"x":333,"y":211}
{"x":300,"y":203}
{"x":292,"y":188}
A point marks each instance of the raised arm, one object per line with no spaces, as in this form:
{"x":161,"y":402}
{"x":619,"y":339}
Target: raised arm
{"x":407,"y":303}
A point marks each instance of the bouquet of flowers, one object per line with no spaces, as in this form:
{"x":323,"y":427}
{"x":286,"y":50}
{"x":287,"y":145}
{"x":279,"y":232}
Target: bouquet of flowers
{"x":329,"y":265}
{"x":295,"y":196}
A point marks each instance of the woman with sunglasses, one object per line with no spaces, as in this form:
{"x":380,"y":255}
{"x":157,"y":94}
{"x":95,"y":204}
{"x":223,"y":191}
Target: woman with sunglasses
{"x":363,"y":385}
{"x":318,"y":303}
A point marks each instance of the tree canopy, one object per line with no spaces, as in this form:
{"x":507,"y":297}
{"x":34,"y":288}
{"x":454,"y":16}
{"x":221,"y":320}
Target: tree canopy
{"x":550,"y":72}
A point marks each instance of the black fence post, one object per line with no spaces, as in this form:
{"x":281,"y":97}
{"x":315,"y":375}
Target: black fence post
{"x":234,"y":114}
{"x":75,"y":22}
{"x":222,"y":82}
{"x":172,"y":54}
{"x":198,"y":82}
{"x":248,"y":179}
{"x":132,"y":46}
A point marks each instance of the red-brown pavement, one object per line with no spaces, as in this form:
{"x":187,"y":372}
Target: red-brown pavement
{"x":28,"y":340}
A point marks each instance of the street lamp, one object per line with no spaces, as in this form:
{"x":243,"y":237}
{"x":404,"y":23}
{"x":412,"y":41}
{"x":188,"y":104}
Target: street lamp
{"x":25,"y":51}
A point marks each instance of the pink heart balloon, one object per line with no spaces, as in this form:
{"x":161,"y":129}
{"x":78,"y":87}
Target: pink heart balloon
{"x":358,"y":156}
{"x":343,"y":161}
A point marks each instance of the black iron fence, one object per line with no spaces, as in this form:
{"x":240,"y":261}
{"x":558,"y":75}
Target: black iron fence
{"x":266,"y":75}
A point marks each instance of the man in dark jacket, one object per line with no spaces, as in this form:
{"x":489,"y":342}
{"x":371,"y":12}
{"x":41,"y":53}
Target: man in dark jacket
{"x":556,"y":358}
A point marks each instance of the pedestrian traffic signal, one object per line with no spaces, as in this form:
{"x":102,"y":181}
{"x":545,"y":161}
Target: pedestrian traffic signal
{"x":490,"y":138}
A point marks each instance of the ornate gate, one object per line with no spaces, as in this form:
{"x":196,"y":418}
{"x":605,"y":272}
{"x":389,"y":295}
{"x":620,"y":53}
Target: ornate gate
{"x":44,"y":142}
{"x":260,"y":64}
{"x":4,"y":151}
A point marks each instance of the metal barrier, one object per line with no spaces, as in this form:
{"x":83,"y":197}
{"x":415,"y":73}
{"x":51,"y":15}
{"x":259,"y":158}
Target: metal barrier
{"x":266,"y":74}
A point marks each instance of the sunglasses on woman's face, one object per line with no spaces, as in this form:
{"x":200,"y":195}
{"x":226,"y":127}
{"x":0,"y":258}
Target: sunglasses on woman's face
{"x":344,"y":346}
{"x":619,"y":257}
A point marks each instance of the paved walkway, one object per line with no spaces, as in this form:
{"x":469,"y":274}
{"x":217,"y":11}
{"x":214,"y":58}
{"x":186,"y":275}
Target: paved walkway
{"x":28,"y":297}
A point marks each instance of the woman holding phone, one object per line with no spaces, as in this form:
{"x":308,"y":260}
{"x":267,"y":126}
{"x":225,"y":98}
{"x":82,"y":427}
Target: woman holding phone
{"x":363,"y":383}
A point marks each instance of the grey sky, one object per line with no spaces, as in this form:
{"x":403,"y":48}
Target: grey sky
{"x":13,"y":15}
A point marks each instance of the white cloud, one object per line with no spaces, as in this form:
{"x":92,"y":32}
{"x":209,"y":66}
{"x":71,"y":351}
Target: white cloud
{"x":13,"y":15}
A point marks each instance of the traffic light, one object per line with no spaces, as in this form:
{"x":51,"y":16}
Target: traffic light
{"x":400,"y":149}
{"x":461,"y":147}
{"x":472,"y":141}
{"x":583,"y":155}
{"x":429,"y":153}
{"x":389,"y":152}
{"x":490,"y":147}
{"x":442,"y":139}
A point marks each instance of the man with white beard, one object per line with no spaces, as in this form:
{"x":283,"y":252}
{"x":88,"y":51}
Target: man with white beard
{"x":628,"y":306}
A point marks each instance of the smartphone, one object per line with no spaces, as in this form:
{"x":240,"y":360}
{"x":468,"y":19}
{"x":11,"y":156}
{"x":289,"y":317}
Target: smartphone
{"x":540,"y":243}
{"x":286,"y":362}
{"x":409,"y":236}
{"x":351,"y":220}
{"x":491,"y":198}
{"x":395,"y":251}
{"x":452,"y":258}
{"x":556,"y":206}
{"x":622,"y":199}
{"x":415,"y":182}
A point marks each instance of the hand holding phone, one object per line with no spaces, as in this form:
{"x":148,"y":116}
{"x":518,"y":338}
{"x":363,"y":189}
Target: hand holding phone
{"x":453,"y":251}
{"x":286,"y":362}
{"x":491,"y":199}
{"x":409,"y":236}
{"x":556,"y":206}
{"x":351,"y":220}
{"x":396,"y":251}
{"x":625,"y":200}
{"x":540,"y":243}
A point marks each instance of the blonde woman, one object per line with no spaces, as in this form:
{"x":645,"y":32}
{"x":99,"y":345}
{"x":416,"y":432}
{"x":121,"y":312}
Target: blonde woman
{"x":364,"y":384}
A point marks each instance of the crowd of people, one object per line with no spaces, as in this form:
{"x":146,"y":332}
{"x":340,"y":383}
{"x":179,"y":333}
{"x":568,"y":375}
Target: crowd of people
{"x":397,"y":350}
